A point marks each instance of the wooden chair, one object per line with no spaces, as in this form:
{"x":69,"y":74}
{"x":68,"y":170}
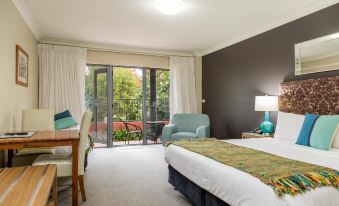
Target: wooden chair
{"x":64,"y":161}
{"x":137,"y":130}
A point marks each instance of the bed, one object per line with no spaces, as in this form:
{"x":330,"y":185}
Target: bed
{"x":207,"y":182}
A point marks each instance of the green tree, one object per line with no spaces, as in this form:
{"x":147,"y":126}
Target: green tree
{"x":127,"y":91}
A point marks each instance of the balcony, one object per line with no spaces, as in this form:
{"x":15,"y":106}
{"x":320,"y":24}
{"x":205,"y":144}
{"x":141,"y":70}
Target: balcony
{"x":130,"y":111}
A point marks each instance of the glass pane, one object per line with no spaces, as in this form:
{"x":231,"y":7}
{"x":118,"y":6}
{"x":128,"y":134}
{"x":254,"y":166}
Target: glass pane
{"x":157,"y":103}
{"x":127,"y":106}
{"x":98,"y":129}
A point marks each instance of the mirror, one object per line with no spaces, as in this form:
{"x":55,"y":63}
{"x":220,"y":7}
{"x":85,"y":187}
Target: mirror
{"x":317,"y":55}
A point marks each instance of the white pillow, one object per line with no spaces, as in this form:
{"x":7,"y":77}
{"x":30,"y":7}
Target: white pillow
{"x":288,"y":126}
{"x":335,"y":143}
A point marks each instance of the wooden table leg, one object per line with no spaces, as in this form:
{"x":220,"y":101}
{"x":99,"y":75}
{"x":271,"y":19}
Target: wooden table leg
{"x":75,"y":173}
{"x":10,"y":157}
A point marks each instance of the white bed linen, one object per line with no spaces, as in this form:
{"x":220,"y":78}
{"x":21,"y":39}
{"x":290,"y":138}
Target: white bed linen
{"x":238,"y":188}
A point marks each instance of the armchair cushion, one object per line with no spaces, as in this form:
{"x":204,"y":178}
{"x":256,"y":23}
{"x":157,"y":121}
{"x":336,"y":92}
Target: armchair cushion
{"x":181,"y":135}
{"x":63,"y":162}
{"x":39,"y":150}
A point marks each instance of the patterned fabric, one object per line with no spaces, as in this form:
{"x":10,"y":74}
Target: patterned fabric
{"x":315,"y":96}
{"x":285,"y":176}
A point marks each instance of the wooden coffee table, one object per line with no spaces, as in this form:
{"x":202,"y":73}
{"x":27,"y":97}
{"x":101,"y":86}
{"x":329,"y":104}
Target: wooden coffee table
{"x":30,"y":185}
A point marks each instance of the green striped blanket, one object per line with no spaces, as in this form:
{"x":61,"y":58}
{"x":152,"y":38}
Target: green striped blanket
{"x":285,"y":176}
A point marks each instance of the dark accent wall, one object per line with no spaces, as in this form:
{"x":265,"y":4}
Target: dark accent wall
{"x":233,"y":76}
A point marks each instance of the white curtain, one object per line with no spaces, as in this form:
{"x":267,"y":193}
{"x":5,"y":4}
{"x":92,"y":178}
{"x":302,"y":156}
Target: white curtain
{"x":62,"y":79}
{"x":182,"y":86}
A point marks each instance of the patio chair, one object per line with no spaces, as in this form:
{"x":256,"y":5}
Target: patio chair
{"x":137,"y":130}
{"x":154,"y":130}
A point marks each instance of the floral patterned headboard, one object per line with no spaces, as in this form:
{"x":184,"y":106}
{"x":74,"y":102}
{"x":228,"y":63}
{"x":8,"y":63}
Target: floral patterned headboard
{"x":316,"y":96}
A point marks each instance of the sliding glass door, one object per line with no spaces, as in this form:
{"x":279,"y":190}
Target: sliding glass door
{"x":130,"y":105}
{"x":99,"y":100}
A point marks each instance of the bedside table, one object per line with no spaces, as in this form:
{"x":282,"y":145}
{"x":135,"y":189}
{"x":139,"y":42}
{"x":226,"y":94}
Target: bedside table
{"x":247,"y":135}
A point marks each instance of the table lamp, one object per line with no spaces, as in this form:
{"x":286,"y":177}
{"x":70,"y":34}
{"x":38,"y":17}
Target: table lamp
{"x":266,"y":104}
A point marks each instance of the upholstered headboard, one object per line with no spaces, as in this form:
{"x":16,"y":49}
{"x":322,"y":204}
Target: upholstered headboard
{"x":316,"y":96}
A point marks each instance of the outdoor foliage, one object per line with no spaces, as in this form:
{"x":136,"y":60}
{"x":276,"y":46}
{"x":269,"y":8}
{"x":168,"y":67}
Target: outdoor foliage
{"x":127,"y":91}
{"x":121,"y":135}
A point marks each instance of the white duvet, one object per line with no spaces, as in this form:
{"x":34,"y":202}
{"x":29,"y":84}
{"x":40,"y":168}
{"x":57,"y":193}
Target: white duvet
{"x":238,"y":188}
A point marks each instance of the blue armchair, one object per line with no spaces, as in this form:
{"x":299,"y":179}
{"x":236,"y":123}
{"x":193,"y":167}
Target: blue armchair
{"x":186,"y":126}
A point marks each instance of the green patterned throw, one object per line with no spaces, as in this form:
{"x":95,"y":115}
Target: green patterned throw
{"x":285,"y":176}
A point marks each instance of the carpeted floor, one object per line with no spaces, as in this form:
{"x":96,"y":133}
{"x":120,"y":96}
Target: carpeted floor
{"x":123,"y":176}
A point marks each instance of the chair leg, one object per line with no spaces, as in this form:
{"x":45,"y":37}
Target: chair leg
{"x":82,"y":187}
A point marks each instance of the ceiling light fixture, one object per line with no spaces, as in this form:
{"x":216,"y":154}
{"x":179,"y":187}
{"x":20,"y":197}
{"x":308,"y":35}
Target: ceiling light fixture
{"x":169,"y":7}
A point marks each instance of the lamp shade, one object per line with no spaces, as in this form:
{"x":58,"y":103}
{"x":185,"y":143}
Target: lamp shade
{"x":266,"y":103}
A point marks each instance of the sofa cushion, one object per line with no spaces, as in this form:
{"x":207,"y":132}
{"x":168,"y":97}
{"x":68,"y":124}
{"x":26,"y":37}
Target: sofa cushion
{"x":183,"y":135}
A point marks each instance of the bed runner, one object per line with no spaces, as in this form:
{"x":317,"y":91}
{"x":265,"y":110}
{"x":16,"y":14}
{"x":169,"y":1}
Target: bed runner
{"x":285,"y":176}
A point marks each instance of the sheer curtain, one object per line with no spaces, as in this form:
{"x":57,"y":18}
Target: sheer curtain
{"x":62,"y":79}
{"x":182,"y":86}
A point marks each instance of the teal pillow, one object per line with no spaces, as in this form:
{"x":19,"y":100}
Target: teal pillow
{"x":62,"y":115}
{"x":306,"y":129}
{"x":322,"y":134}
{"x":65,"y":123}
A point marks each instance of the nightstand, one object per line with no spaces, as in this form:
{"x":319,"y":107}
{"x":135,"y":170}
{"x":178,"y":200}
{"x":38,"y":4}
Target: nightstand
{"x":247,"y":135}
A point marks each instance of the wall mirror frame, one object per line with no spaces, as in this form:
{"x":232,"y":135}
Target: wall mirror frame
{"x":317,"y":55}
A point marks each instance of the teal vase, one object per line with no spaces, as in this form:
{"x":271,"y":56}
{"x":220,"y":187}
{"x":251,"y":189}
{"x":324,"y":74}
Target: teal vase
{"x":267,"y":126}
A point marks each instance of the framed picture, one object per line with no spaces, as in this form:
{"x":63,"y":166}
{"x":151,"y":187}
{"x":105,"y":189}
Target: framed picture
{"x":21,"y":67}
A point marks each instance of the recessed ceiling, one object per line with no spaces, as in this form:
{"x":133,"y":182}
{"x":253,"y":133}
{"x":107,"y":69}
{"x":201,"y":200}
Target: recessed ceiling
{"x":202,"y":26}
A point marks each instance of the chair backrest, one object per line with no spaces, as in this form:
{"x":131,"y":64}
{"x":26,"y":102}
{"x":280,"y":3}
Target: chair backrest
{"x":37,"y":120}
{"x":126,"y":126}
{"x":84,"y":131}
{"x":189,"y":122}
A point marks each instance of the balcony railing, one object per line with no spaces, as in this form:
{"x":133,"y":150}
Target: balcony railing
{"x":131,"y":109}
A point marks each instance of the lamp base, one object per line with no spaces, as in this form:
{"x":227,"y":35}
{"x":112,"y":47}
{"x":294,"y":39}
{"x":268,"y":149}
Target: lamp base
{"x":267,"y":127}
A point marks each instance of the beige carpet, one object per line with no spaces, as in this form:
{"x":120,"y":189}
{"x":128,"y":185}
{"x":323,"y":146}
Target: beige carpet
{"x":123,"y":176}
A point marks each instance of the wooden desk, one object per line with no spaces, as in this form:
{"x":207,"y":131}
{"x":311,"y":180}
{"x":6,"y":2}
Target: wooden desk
{"x":50,"y":139}
{"x":28,"y":185}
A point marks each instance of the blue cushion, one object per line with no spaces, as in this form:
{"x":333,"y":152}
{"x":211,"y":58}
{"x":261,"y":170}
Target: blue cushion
{"x":322,"y":134}
{"x":306,"y":129}
{"x":65,"y":123}
{"x":62,"y":115}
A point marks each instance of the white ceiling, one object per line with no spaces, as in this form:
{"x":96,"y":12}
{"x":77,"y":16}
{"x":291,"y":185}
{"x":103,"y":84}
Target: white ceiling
{"x":202,"y":27}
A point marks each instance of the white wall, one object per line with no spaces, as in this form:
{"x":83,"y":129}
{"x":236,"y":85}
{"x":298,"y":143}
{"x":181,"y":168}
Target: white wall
{"x":15,"y":98}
